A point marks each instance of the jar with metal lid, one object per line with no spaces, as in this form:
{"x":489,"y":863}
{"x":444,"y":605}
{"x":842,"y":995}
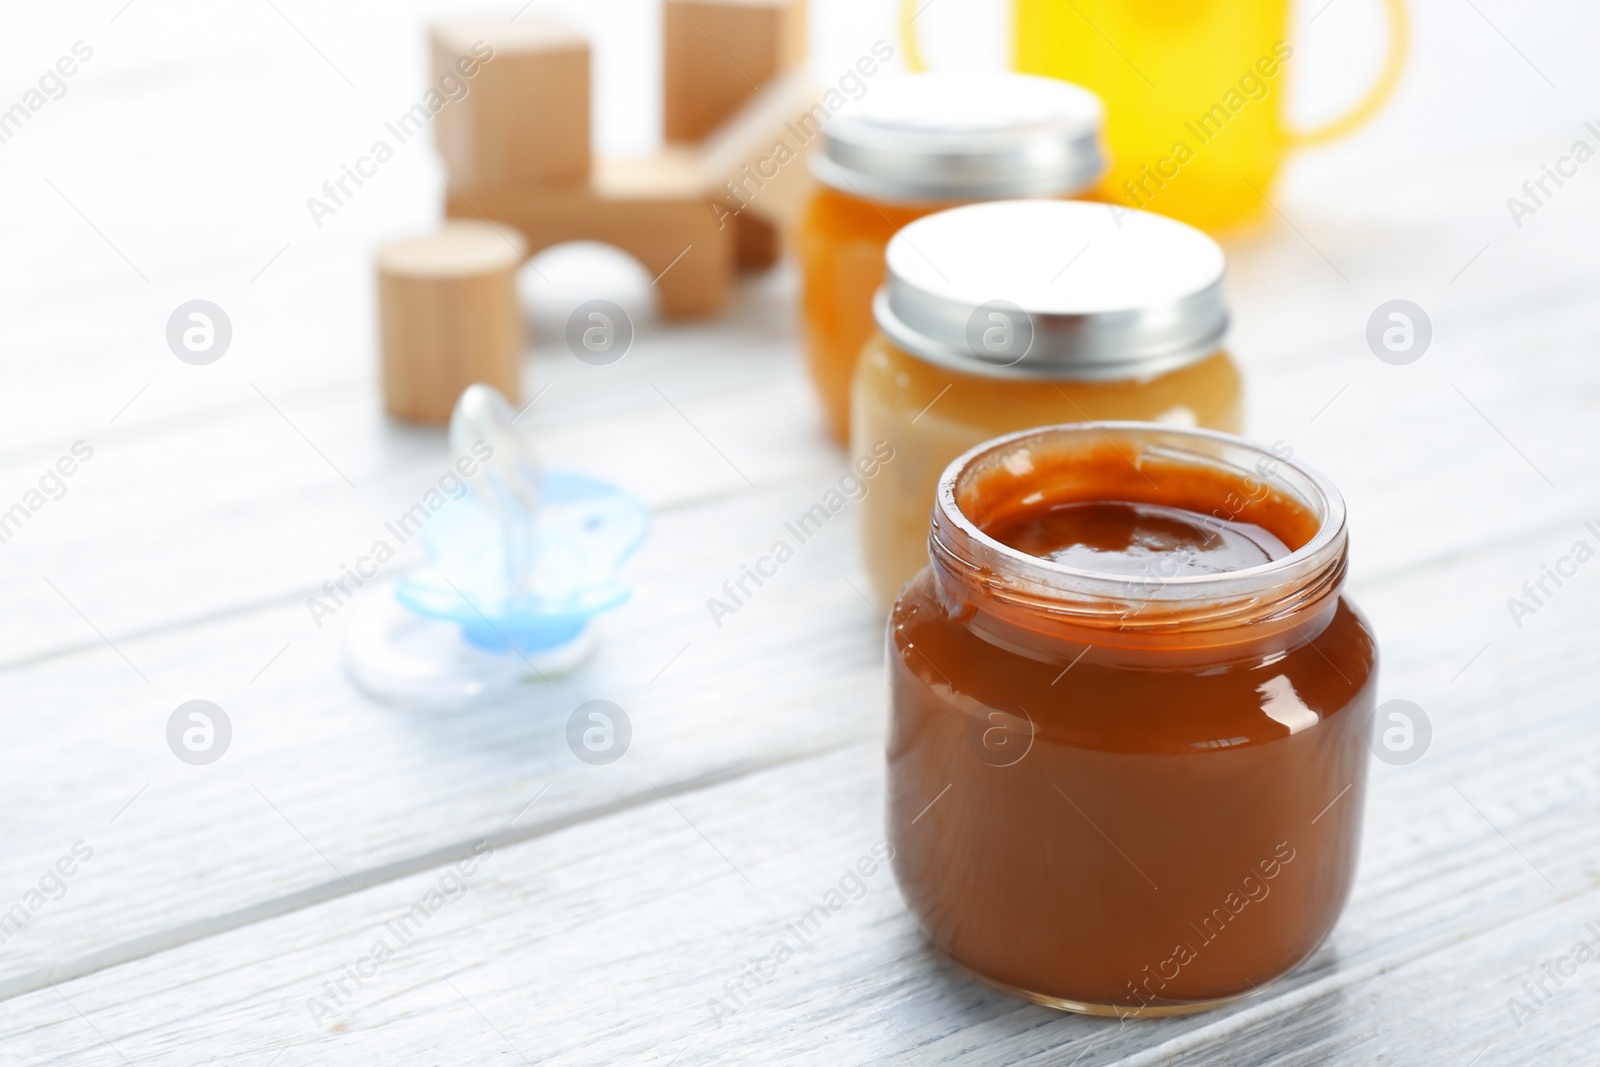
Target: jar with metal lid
{"x":912,"y":146}
{"x":1003,"y":316}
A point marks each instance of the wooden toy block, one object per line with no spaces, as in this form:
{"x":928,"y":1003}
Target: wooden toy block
{"x":717,"y":54}
{"x":654,"y":209}
{"x":524,"y":115}
{"x":756,"y":161}
{"x":796,"y":45}
{"x":756,"y":242}
{"x":448,"y":317}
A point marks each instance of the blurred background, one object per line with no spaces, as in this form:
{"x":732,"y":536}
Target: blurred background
{"x":178,"y":163}
{"x":179,"y":160}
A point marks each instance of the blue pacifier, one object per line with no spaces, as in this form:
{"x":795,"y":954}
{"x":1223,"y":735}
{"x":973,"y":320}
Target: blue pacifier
{"x":519,"y":566}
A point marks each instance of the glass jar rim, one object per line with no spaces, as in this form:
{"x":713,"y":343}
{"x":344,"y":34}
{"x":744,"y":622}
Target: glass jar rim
{"x":1274,"y":591}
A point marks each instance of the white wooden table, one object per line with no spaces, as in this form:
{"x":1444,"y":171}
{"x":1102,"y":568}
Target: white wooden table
{"x":618,"y":901}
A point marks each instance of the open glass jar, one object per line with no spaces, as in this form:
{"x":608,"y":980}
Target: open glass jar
{"x":996,"y":317}
{"x":912,"y":146}
{"x":1130,"y":705}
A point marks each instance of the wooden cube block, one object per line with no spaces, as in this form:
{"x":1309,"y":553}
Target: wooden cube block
{"x":448,"y":317}
{"x":654,"y":209}
{"x":717,"y":54}
{"x":524,"y":118}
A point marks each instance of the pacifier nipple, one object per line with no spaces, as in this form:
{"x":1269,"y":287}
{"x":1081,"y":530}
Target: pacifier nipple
{"x":519,"y":564}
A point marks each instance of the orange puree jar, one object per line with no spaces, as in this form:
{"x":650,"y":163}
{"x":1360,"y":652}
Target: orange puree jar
{"x":912,"y":146}
{"x":1130,"y":706}
{"x":1000,"y":316}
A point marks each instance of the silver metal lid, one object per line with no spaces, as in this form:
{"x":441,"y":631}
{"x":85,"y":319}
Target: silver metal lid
{"x":1053,"y":289}
{"x":964,"y":135}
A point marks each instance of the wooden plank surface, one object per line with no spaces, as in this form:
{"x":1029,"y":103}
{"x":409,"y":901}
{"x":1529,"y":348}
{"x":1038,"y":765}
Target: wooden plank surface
{"x":616,"y":905}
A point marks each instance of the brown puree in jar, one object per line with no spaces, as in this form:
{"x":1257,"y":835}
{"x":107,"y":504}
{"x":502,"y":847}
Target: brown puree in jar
{"x":1116,"y":788}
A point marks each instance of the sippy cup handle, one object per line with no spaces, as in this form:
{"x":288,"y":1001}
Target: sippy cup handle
{"x":1366,"y":108}
{"x":1394,"y":64}
{"x":910,"y":43}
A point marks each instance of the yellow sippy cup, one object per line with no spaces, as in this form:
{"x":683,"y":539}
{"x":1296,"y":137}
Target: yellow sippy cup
{"x":1194,"y":92}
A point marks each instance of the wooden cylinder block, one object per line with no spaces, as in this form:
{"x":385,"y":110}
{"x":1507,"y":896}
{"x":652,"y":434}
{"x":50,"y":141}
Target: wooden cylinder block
{"x":448,"y":318}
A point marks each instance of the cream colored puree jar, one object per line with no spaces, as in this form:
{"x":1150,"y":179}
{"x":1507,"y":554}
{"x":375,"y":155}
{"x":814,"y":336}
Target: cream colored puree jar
{"x":1002,"y":316}
{"x":915,"y":145}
